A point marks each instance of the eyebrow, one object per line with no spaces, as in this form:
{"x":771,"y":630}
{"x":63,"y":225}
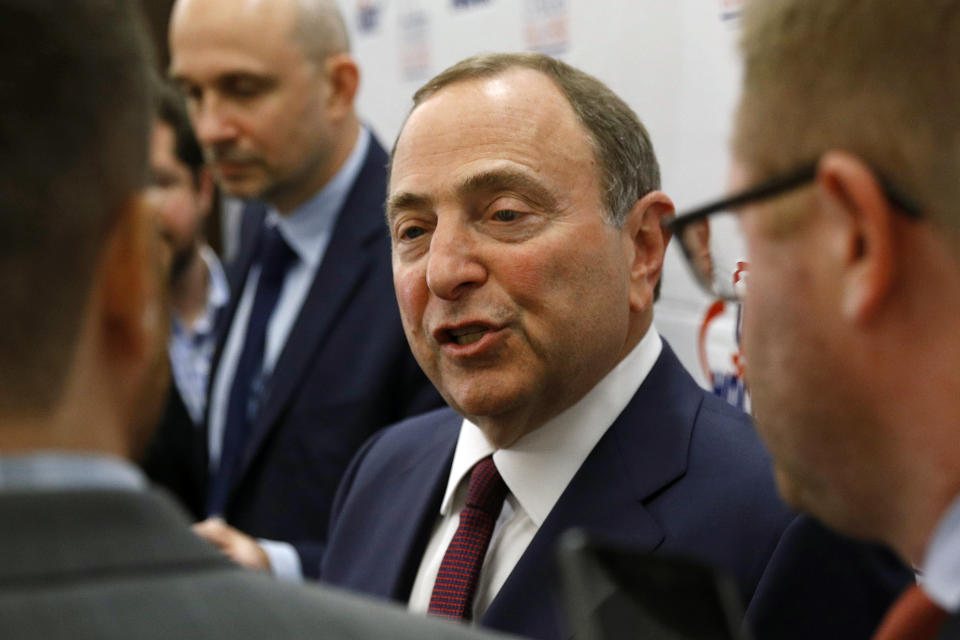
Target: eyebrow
{"x":509,"y":180}
{"x":485,"y":182}
{"x":405,"y":201}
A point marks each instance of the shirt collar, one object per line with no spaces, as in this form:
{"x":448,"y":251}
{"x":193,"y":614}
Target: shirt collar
{"x":68,"y":471}
{"x":307,"y":228}
{"x":218,"y":294}
{"x":941,"y":565}
{"x":538,"y":467}
{"x":218,"y":289}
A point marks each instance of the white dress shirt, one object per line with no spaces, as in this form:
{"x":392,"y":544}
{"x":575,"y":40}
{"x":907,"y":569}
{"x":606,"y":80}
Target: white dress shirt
{"x":536,"y":469}
{"x":307,"y":230}
{"x":941,"y":565}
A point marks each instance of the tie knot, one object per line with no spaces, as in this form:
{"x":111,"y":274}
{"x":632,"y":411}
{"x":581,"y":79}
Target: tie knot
{"x":275,"y":255}
{"x":486,"y":490}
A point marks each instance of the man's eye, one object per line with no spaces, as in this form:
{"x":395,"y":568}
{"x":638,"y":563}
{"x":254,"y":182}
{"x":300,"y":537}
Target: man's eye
{"x":412,"y":233}
{"x":191,"y":93}
{"x":162,"y":180}
{"x":506,"y":215}
{"x":244,"y":87}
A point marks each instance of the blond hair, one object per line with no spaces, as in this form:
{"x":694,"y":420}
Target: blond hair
{"x":879,"y":78}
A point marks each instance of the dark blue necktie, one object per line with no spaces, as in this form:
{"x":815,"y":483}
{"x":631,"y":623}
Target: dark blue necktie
{"x":275,"y":256}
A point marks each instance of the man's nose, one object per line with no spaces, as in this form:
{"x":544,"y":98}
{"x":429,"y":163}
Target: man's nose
{"x":212,"y":122}
{"x":454,"y":264}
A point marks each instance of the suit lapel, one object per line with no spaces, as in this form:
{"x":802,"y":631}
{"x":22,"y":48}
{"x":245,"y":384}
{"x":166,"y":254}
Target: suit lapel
{"x":416,"y":491}
{"x":347,"y":259}
{"x":643,"y":451}
{"x":236,"y":272}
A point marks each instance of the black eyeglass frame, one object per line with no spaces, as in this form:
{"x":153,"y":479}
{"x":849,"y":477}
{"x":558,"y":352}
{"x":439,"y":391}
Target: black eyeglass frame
{"x":775,"y":186}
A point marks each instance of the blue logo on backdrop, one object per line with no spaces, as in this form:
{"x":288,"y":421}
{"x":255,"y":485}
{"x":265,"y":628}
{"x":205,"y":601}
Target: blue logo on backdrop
{"x":727,"y":379}
{"x":368,"y":15}
{"x":730,"y":10}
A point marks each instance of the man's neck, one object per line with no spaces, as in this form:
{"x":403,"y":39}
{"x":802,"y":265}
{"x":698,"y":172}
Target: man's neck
{"x":27,"y":433}
{"x":288,"y":202}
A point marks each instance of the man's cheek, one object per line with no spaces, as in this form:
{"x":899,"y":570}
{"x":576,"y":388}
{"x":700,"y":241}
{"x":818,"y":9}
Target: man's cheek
{"x":412,"y":298}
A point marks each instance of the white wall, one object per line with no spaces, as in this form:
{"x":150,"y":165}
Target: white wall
{"x":673,"y":61}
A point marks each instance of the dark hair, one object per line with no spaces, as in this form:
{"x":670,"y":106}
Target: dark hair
{"x":74,"y":124}
{"x":172,"y":110}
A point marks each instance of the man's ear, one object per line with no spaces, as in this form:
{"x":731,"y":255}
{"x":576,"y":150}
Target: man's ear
{"x":132,"y":314}
{"x":646,"y":242}
{"x":343,"y":79}
{"x":863,"y":240}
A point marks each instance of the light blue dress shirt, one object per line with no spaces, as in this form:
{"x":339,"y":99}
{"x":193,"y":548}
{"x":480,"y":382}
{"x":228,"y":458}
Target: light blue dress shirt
{"x":191,"y":347}
{"x":307,"y":230}
{"x":62,"y":471}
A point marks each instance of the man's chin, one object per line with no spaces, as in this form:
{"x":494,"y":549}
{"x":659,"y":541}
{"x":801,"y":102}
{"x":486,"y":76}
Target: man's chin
{"x":824,"y":504}
{"x":243,"y":186}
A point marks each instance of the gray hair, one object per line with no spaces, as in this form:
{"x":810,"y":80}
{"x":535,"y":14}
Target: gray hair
{"x":628,"y":166}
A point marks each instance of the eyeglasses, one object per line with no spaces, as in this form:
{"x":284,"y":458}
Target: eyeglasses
{"x":714,"y":248}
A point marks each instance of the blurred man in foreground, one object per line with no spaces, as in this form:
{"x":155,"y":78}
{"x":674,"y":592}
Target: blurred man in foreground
{"x":313,"y":359}
{"x":847,"y":166}
{"x":525,"y":212}
{"x":86,"y":549}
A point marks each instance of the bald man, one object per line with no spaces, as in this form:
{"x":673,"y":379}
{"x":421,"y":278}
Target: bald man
{"x":312,"y":359}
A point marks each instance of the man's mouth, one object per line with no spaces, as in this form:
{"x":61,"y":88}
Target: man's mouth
{"x":467,"y":335}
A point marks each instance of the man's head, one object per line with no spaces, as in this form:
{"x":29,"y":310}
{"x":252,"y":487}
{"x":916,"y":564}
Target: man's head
{"x":526,"y":240}
{"x":851,"y":306}
{"x":181,"y":190}
{"x":76,"y":258}
{"x":269,"y":87}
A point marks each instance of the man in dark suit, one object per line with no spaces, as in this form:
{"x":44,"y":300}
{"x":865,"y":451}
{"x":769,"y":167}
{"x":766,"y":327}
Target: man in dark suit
{"x":527,"y":249}
{"x":312,"y":359}
{"x":846,"y":146}
{"x":86,"y":549}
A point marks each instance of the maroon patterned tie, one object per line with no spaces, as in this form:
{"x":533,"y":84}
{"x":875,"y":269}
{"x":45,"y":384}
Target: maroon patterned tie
{"x":452,"y":595}
{"x":914,"y":616}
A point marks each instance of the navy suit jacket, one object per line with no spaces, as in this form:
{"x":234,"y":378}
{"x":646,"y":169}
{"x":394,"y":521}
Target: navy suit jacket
{"x":345,"y":372}
{"x":174,"y":456}
{"x":679,"y":472}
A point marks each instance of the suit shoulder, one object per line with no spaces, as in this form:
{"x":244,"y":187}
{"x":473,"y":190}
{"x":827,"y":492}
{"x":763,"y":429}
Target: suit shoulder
{"x":415,"y":434}
{"x":721,"y":425}
{"x":719,"y":409}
